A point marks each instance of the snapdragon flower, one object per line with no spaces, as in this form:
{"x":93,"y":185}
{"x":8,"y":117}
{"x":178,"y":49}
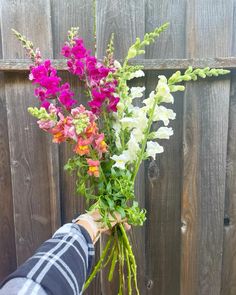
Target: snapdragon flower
{"x":136,"y":74}
{"x":49,"y":88}
{"x":153,"y":148}
{"x":162,"y":133}
{"x":101,"y":85}
{"x":121,"y":160}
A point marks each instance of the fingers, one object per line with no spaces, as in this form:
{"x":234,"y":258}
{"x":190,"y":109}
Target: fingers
{"x":127,"y":226}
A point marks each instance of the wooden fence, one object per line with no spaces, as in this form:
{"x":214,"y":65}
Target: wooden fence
{"x":188,"y":244}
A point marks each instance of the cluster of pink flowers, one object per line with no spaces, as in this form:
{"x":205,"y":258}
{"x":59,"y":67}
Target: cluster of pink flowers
{"x":94,"y":73}
{"x":45,"y":75}
{"x":79,"y":128}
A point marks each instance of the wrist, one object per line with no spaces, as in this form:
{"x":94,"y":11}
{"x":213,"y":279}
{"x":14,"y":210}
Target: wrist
{"x":90,"y":225}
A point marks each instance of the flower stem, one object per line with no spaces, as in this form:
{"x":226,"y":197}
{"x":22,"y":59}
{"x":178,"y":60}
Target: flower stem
{"x":129,"y":275}
{"x":131,"y":256}
{"x":98,"y":266}
{"x":144,"y":141}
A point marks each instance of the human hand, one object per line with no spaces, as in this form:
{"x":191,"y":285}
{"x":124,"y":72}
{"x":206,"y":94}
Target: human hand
{"x":91,"y":221}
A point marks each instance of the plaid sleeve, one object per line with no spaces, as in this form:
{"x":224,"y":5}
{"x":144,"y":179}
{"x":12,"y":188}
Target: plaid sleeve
{"x":61,"y":264}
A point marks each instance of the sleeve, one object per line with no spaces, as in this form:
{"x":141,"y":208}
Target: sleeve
{"x":60,"y":265}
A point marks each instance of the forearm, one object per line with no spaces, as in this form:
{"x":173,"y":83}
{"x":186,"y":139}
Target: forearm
{"x":60,"y":265}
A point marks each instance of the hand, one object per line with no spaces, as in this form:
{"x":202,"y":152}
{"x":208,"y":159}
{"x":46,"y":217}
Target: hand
{"x":91,"y":222}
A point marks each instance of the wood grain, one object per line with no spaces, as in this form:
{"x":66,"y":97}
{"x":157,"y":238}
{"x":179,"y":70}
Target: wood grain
{"x":126,"y":23}
{"x":205,"y":146}
{"x":163,"y":195}
{"x":229,"y":251}
{"x":228,"y":283}
{"x":12,"y":65}
{"x":64,"y":16}
{"x":7,"y":235}
{"x":28,"y":145}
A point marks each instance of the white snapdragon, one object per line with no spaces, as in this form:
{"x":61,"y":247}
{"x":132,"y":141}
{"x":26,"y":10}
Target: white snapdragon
{"x":117,"y":64}
{"x":161,"y":113}
{"x":163,"y":90}
{"x":116,"y":126}
{"x":136,"y":92}
{"x":128,"y":123}
{"x":153,"y":148}
{"x":150,"y":100}
{"x":133,"y":147}
{"x":138,"y":134}
{"x":162,"y":133}
{"x":121,"y":160}
{"x":137,"y":74}
{"x":140,"y":114}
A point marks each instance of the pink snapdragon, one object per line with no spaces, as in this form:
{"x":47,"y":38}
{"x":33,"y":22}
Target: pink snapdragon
{"x":94,"y":73}
{"x":45,"y":75}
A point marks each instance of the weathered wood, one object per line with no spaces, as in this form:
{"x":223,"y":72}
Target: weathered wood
{"x":205,"y":146}
{"x":229,"y":251}
{"x":7,"y":235}
{"x":64,"y":16}
{"x":11,"y":65}
{"x":126,"y":23}
{"x":28,"y":145}
{"x":228,"y":283}
{"x":163,"y":194}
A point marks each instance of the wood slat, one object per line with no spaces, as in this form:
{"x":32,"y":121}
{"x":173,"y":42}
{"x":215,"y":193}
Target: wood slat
{"x":163,"y":196}
{"x":228,"y":283}
{"x":205,"y":145}
{"x":11,"y":65}
{"x":126,"y":23}
{"x":7,"y":235}
{"x":34,"y":183}
{"x":64,"y":16}
{"x":229,"y":251}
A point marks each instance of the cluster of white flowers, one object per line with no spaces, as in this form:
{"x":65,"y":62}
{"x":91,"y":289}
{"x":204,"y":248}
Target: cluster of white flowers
{"x":135,"y":120}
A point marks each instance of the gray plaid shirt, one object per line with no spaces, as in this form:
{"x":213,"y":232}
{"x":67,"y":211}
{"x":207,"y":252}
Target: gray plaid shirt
{"x":60,"y":266}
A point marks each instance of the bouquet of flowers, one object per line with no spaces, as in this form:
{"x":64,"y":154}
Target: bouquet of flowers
{"x":111,"y":136}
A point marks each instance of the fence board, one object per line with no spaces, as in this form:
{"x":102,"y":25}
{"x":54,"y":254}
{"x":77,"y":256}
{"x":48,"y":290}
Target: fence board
{"x":7,"y":240}
{"x":165,"y":174}
{"x":64,"y":17}
{"x":11,"y":65}
{"x":205,"y":138}
{"x":229,"y":251}
{"x":228,"y":283}
{"x":126,"y":23}
{"x":28,"y":145}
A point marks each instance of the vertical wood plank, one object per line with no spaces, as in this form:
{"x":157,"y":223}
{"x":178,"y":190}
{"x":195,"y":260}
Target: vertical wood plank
{"x":7,"y":235}
{"x":31,"y":176}
{"x":165,"y":174}
{"x":127,"y":23}
{"x":229,"y":251}
{"x":228,"y":283}
{"x":64,"y":16}
{"x":205,"y":146}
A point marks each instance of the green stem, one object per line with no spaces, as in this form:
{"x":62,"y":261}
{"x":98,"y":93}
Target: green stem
{"x":144,"y":141}
{"x":111,"y":255}
{"x":98,"y":266}
{"x":129,"y":275}
{"x":131,"y":255}
{"x":113,"y":265}
{"x":120,"y":268}
{"x":103,"y":175}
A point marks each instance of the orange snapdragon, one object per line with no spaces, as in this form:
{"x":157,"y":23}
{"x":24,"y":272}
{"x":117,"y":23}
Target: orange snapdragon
{"x":93,"y":167}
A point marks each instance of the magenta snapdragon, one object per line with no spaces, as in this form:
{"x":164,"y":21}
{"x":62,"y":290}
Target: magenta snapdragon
{"x":50,"y":87}
{"x":94,"y":73}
